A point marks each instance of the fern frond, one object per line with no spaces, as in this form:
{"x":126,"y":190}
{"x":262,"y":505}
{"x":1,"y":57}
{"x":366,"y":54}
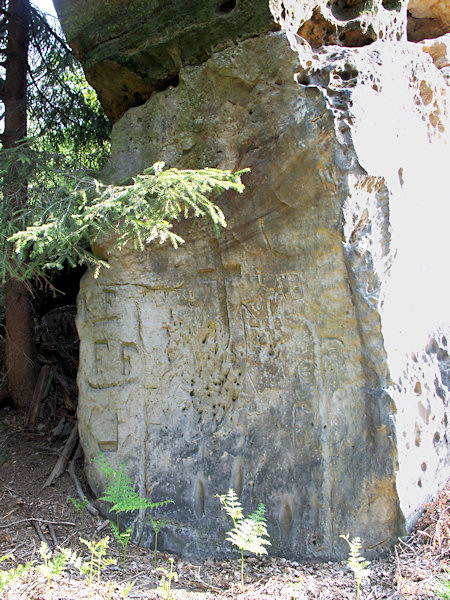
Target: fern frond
{"x":231,"y":504}
{"x":250,"y":533}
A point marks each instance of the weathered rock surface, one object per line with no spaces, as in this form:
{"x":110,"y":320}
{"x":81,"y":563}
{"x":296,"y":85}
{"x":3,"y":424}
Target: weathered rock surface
{"x":439,"y":50}
{"x":129,"y":49}
{"x":285,"y":358}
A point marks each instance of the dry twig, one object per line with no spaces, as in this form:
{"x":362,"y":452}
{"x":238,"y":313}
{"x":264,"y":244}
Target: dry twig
{"x":62,"y":461}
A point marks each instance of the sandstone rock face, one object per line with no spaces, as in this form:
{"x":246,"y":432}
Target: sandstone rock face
{"x":237,"y":361}
{"x":439,"y":50}
{"x":129,"y":49}
{"x":284,"y":358}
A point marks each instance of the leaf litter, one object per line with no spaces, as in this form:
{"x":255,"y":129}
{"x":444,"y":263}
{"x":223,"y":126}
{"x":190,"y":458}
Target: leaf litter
{"x":26,"y":509}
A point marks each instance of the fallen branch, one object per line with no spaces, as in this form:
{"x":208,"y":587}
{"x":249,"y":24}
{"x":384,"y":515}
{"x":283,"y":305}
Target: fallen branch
{"x":30,"y":519}
{"x":200,"y":583}
{"x":102,"y":525}
{"x":66,"y":393}
{"x":71,"y":470}
{"x":36,"y":525}
{"x":62,"y":461}
{"x":38,"y":393}
{"x":52,"y":535}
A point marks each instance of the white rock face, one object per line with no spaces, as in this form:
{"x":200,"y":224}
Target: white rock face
{"x":286,"y":358}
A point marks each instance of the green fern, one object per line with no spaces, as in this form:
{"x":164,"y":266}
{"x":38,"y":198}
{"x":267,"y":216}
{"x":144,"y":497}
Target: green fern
{"x":120,"y":493}
{"x":164,"y":586}
{"x":97,"y":562}
{"x":53,"y":566}
{"x":249,"y":534}
{"x":122,"y":538}
{"x":157,"y":524}
{"x":357,"y":563}
{"x":10,"y":575}
{"x":122,"y":496}
{"x":80,"y":505}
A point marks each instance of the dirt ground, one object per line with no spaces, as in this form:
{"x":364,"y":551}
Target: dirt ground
{"x":28,"y":513}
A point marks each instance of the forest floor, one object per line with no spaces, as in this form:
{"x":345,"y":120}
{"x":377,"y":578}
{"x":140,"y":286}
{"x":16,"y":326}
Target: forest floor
{"x":28,"y":513}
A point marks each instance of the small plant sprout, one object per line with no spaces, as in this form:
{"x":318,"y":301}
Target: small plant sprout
{"x":249,"y":534}
{"x":96,"y":562}
{"x":157,"y":524}
{"x":165,"y":584}
{"x":55,"y":566}
{"x":125,"y":590}
{"x":10,"y":575}
{"x":122,"y":538}
{"x":80,"y":505}
{"x":356,"y":562}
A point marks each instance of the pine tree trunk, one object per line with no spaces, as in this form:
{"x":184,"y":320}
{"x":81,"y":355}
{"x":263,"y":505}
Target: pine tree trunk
{"x":19,"y":340}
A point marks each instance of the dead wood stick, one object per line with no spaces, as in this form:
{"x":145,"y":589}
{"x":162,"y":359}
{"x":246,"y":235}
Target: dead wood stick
{"x":52,"y":534}
{"x":30,"y":519}
{"x":38,"y":530}
{"x":38,"y":393}
{"x":198,"y":581}
{"x":71,"y":470}
{"x":103,"y":525}
{"x":66,"y":393}
{"x":62,"y":461}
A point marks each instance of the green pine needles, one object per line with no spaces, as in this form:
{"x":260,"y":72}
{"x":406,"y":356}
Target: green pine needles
{"x":67,"y":212}
{"x":249,"y":534}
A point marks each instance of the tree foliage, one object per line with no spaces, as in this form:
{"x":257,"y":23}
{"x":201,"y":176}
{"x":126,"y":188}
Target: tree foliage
{"x":67,"y":208}
{"x":64,"y":113}
{"x":60,"y":225}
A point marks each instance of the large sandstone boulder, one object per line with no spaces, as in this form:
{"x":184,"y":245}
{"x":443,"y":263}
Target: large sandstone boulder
{"x":302,"y":356}
{"x":285,"y":358}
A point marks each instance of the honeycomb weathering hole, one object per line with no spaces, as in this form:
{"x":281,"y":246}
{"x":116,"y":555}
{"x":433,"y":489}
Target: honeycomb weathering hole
{"x":321,"y":31}
{"x":226,"y":7}
{"x":346,"y":10}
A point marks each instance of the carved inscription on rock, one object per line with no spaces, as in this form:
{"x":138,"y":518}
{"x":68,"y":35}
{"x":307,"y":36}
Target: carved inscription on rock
{"x":270,"y":325}
{"x":115,"y":350}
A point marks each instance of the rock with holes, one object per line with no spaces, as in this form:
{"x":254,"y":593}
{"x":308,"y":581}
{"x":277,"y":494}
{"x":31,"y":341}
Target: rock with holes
{"x":130,"y":49}
{"x":439,"y":50}
{"x":300,"y":358}
{"x":428,"y":19}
